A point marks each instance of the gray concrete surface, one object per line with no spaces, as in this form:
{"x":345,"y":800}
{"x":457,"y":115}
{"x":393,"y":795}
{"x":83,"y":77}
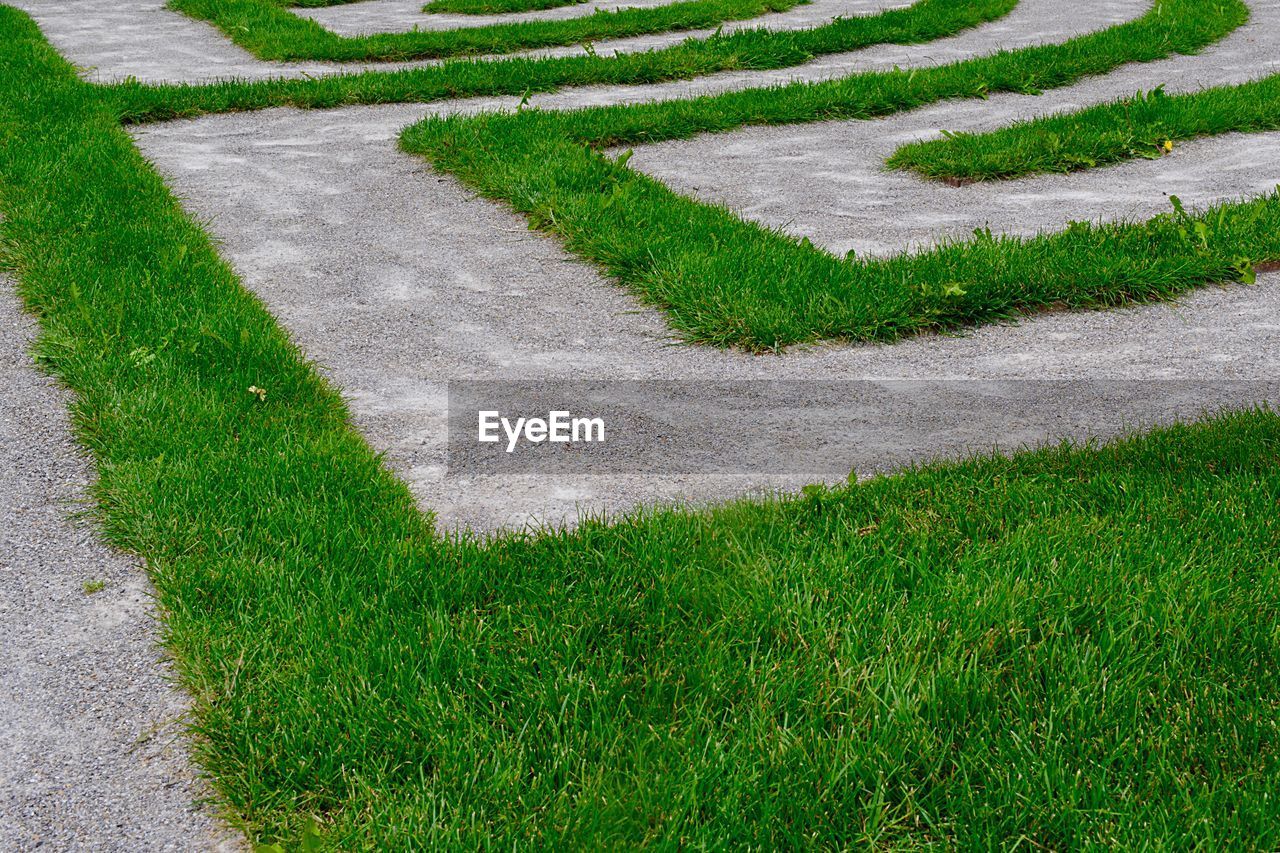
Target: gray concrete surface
{"x":397,"y":279}
{"x":92,"y":750}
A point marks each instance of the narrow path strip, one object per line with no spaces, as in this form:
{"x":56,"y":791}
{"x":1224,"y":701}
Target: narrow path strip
{"x":92,"y":754}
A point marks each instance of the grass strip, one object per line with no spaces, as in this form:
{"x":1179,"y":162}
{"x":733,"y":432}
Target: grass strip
{"x":317,"y":4}
{"x":1074,"y":646}
{"x":271,"y":32}
{"x":495,"y":7}
{"x":754,"y":49}
{"x":726,"y":282}
{"x":1145,"y":125}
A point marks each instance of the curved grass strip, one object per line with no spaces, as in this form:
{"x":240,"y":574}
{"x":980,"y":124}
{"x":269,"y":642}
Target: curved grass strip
{"x":271,"y":32}
{"x":1145,"y":125}
{"x":726,"y":282}
{"x":1072,"y":647}
{"x":754,"y":49}
{"x":495,"y":7}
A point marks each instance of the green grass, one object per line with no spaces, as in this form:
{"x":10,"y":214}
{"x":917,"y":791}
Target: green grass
{"x":1072,"y":647}
{"x":754,"y":49}
{"x":495,"y":7}
{"x":1144,"y":125}
{"x":272,"y":32}
{"x":726,"y":282}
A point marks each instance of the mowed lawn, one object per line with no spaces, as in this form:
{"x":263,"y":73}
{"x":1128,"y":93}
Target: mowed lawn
{"x":1073,"y":646}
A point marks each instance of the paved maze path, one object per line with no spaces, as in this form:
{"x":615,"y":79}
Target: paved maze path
{"x":429,"y":284}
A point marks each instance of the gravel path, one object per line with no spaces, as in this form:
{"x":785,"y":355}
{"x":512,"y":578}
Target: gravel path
{"x":92,"y":754}
{"x":428,"y":283}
